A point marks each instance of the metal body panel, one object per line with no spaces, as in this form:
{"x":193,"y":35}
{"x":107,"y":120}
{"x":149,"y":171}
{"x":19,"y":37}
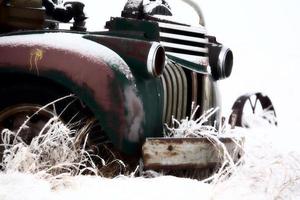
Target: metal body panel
{"x":95,"y":73}
{"x":25,"y":17}
{"x":150,"y":89}
{"x":134,"y":52}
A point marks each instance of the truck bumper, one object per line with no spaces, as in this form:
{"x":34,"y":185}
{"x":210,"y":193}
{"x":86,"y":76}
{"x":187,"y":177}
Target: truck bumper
{"x":188,"y":153}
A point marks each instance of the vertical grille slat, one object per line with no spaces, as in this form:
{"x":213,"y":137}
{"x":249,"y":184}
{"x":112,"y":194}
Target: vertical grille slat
{"x":168,"y":97}
{"x":175,"y":89}
{"x":184,"y":91}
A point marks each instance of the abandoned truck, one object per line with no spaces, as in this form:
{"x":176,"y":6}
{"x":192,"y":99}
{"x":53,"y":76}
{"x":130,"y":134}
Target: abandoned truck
{"x":132,"y":78}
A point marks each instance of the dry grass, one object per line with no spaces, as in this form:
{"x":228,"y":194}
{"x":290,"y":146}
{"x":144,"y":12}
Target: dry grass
{"x":190,"y":127}
{"x":52,"y":153}
{"x":265,"y":172}
{"x":57,"y":151}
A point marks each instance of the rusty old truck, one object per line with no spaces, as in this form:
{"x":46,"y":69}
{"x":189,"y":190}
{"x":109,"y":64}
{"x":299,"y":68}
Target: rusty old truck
{"x":133,"y":77}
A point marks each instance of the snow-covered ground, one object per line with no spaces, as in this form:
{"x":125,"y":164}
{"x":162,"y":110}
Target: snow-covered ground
{"x":271,"y":171}
{"x":264,"y":38}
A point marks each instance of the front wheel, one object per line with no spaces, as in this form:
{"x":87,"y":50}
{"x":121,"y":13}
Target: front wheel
{"x":26,"y":107}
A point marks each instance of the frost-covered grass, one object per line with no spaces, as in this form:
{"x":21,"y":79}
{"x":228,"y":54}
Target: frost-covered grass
{"x":190,"y":127}
{"x":270,"y":169}
{"x":57,"y":151}
{"x":199,"y":128}
{"x":54,"y":152}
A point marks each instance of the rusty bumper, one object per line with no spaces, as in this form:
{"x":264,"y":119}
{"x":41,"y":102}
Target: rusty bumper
{"x":188,"y":153}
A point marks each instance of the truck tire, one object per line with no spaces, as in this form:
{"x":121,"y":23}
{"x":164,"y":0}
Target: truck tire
{"x":21,"y":101}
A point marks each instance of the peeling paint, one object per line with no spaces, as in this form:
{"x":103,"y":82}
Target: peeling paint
{"x":136,"y":114}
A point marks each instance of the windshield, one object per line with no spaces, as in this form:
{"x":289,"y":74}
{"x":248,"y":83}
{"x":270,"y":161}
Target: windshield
{"x":99,"y":12}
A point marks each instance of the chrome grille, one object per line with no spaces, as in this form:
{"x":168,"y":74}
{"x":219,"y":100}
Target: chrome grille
{"x":185,"y":42}
{"x":175,"y":92}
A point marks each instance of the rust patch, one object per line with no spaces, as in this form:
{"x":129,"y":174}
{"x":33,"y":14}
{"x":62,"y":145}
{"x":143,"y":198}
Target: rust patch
{"x":170,"y":147}
{"x":190,"y":140}
{"x":158,"y":166}
{"x":187,"y":153}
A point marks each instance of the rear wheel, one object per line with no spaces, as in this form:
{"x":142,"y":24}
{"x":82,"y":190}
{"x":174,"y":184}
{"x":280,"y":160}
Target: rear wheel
{"x":252,"y":109}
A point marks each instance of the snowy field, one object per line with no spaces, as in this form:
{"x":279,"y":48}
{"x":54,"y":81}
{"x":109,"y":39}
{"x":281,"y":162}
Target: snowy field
{"x":264,"y":38}
{"x":271,"y":170}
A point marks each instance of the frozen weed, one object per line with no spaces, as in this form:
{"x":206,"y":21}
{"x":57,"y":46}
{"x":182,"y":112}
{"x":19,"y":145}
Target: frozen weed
{"x":189,"y":127}
{"x":57,"y":151}
{"x":52,"y":153}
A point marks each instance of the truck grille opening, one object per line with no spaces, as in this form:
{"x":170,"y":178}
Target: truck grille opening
{"x":185,"y":42}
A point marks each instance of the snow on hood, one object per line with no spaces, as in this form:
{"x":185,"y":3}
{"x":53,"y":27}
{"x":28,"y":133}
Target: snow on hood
{"x":72,"y":42}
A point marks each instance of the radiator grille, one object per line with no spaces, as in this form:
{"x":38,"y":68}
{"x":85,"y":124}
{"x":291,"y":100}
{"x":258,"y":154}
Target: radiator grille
{"x":186,"y":42}
{"x":175,"y":87}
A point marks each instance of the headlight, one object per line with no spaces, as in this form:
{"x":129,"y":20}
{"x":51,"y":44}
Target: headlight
{"x":156,"y":60}
{"x":220,"y":61}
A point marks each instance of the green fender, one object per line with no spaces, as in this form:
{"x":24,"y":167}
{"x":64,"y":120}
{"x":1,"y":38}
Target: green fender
{"x":96,"y":74}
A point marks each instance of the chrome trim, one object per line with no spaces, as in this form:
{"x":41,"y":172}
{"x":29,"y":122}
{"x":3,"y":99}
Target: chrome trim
{"x":200,"y":60}
{"x":194,"y":89}
{"x":186,"y":28}
{"x":222,"y":60}
{"x":184,"y":90}
{"x":164,"y":84}
{"x":175,"y":89}
{"x":151,"y":68}
{"x":182,"y":98}
{"x":184,"y":37}
{"x":185,"y":42}
{"x":184,"y":47}
{"x":169,"y":92}
{"x":179,"y":95}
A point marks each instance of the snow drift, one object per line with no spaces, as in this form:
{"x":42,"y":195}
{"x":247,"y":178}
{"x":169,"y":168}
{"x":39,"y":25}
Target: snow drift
{"x":270,"y":170}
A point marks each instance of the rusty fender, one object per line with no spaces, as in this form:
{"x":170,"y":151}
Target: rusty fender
{"x":86,"y":65}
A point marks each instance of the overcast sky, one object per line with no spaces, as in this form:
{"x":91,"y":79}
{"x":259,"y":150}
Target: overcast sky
{"x":264,"y":37}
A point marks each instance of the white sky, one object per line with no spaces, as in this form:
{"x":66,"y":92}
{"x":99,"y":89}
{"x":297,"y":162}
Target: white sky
{"x":263,"y":36}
